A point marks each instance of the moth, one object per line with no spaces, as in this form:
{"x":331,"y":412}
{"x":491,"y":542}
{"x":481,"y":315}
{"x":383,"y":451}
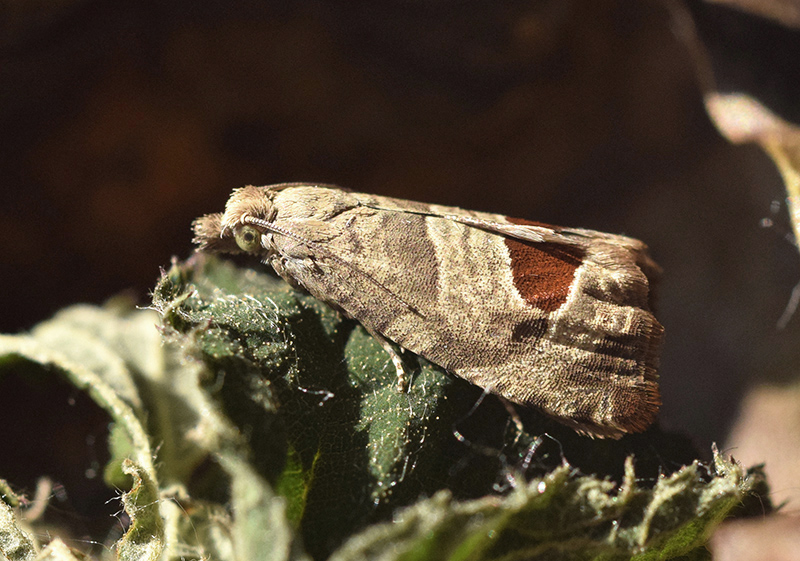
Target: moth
{"x":547,"y":317}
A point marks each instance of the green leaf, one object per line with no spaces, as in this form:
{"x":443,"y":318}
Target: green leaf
{"x":145,"y":538}
{"x":154,"y":393}
{"x":563,"y":515}
{"x":261,"y":530}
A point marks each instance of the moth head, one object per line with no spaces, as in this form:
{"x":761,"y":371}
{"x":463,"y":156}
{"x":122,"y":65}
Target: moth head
{"x":231,"y":231}
{"x":211,"y":235}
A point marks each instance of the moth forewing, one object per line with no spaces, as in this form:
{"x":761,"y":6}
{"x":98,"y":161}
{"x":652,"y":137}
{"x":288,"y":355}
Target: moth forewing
{"x":550,"y":317}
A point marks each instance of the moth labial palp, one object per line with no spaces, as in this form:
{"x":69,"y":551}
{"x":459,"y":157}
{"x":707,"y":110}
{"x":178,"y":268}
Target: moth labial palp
{"x":546,"y":317}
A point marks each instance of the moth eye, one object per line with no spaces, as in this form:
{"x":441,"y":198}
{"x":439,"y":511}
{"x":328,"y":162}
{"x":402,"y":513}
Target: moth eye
{"x":248,"y":239}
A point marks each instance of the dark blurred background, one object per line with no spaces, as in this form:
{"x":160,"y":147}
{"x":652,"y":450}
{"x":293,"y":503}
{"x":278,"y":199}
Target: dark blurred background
{"x":121,"y":121}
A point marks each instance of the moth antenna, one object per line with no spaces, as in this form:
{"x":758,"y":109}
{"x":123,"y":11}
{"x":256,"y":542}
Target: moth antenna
{"x":277,"y":229}
{"x":514,"y":416}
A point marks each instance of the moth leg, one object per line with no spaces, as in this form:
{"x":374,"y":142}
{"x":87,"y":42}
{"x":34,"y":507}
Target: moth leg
{"x":402,"y":375}
{"x":515,"y":418}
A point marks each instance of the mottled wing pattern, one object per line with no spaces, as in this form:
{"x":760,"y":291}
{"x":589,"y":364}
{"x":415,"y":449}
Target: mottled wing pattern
{"x":549,"y":317}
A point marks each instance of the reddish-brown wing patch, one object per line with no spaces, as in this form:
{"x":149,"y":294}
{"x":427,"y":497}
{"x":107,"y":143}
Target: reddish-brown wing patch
{"x":543,"y":272}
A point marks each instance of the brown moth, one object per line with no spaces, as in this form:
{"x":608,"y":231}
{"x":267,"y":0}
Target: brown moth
{"x":550,"y":317}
